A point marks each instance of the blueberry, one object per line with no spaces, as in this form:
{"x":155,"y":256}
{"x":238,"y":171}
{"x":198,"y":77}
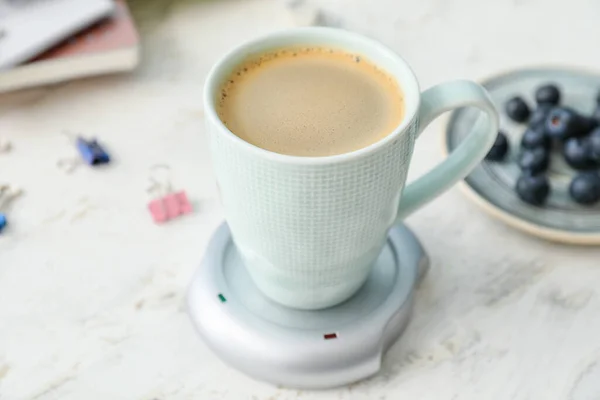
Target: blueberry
{"x":534,"y":161}
{"x":538,"y":116}
{"x":499,"y":148}
{"x":517,"y":109}
{"x":588,"y":124}
{"x":547,"y":94}
{"x":578,"y":153}
{"x":594,"y":143}
{"x":563,"y":123}
{"x":585,"y":188}
{"x":535,"y":137}
{"x":533,"y":189}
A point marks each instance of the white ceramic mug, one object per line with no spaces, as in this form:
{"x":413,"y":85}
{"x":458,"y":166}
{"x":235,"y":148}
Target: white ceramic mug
{"x":309,"y":228}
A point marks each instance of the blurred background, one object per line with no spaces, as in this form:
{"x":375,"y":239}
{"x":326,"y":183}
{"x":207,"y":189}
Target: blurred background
{"x":91,"y":291}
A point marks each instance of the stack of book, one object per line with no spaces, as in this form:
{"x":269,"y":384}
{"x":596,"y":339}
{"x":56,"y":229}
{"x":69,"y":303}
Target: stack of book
{"x":49,"y":41}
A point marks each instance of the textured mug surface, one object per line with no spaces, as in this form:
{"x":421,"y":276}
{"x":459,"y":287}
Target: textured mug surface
{"x":309,"y":228}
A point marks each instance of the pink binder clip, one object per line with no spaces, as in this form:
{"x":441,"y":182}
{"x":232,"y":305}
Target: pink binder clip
{"x":168,"y":205}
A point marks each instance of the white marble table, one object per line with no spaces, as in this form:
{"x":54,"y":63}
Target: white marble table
{"x":91,"y":291}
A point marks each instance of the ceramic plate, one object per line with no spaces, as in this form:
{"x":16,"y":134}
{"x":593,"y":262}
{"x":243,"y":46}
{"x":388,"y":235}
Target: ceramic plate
{"x":491,"y":185}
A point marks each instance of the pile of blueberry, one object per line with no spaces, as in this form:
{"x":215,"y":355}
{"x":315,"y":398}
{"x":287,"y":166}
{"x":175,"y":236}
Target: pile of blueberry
{"x":552,"y":127}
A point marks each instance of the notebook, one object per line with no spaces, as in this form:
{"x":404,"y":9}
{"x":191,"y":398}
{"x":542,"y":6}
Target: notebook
{"x":28,"y":27}
{"x":110,"y":45}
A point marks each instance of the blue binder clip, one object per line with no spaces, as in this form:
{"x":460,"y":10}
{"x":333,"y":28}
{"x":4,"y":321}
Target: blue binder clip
{"x":7,"y":195}
{"x":3,"y":222}
{"x":91,"y":152}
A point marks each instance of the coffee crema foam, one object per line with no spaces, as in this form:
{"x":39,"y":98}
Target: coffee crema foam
{"x":310,"y":101}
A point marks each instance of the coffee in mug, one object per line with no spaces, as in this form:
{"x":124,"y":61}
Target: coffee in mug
{"x":310,"y":101}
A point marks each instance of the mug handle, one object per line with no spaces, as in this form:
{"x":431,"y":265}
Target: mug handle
{"x":466,"y":156}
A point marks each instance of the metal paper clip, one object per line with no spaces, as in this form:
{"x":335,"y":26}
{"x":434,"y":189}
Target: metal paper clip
{"x":166,"y":204}
{"x":5,"y":146}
